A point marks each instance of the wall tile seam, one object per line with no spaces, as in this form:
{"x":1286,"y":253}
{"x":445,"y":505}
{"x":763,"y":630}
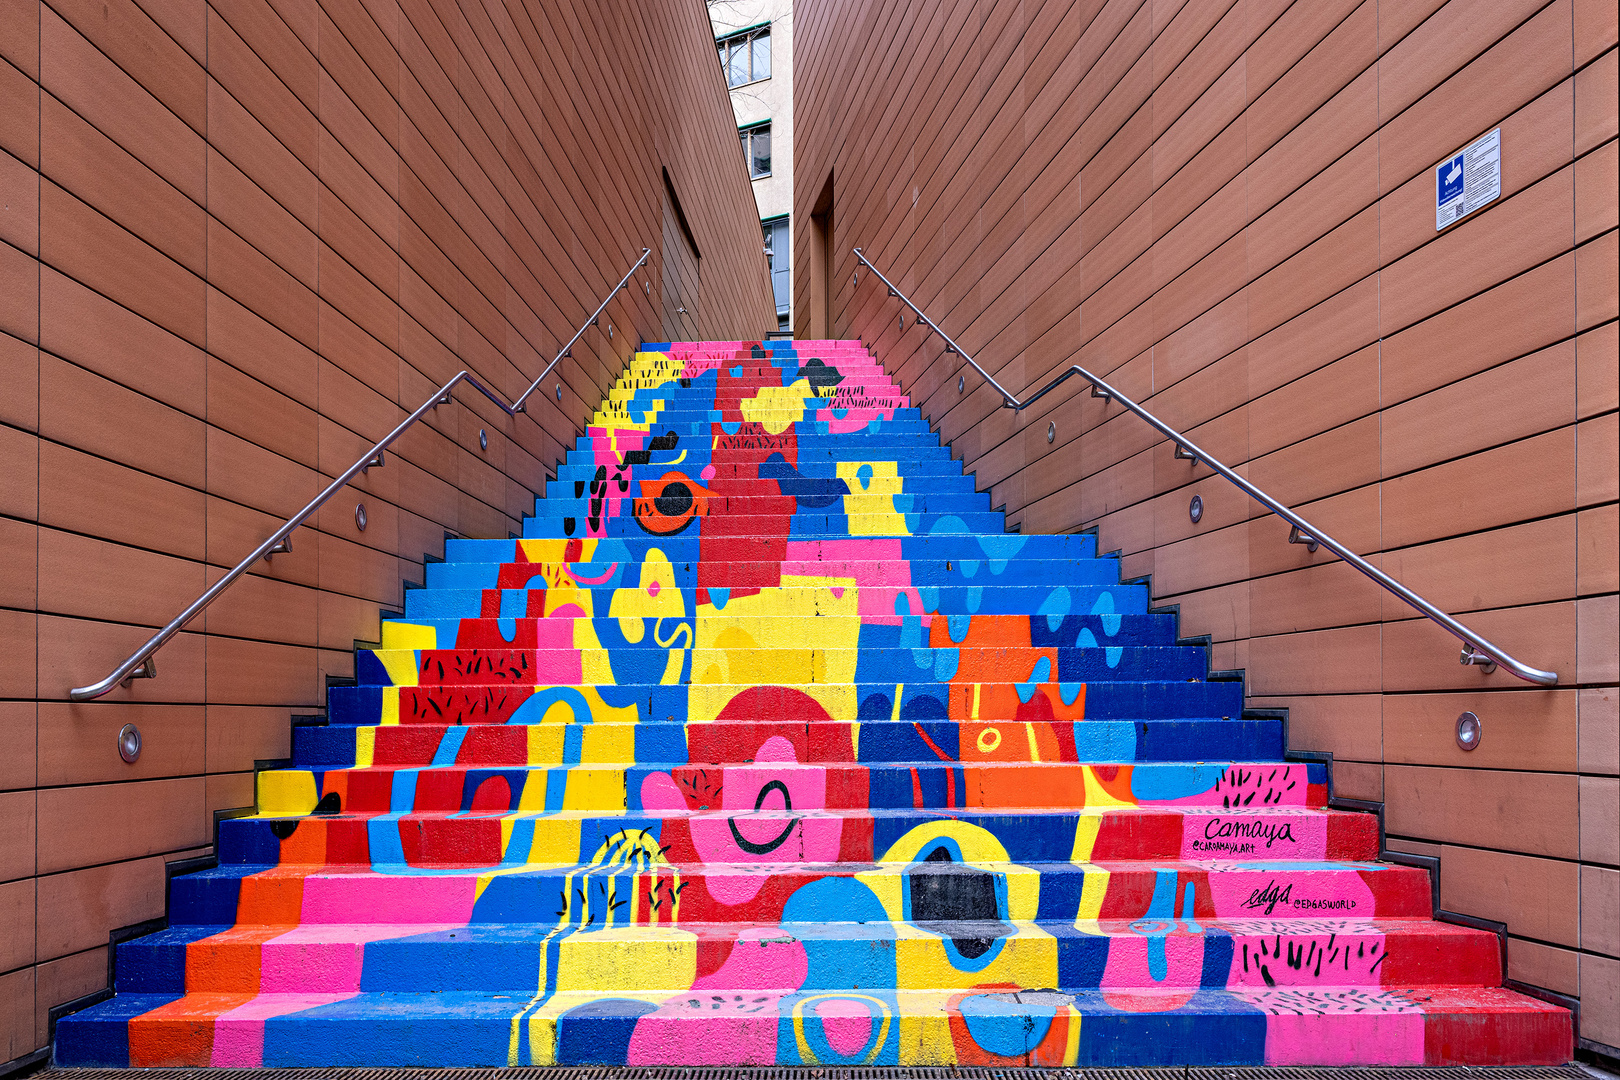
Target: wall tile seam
{"x":1252,"y":280}
{"x":1147,"y":103}
{"x":129,"y":859}
{"x":1258,"y":513}
{"x":1561,"y":859}
{"x":1062,"y":396}
{"x":362,"y":496}
{"x":1253,"y":164}
{"x":363,"y":492}
{"x":1201,"y":475}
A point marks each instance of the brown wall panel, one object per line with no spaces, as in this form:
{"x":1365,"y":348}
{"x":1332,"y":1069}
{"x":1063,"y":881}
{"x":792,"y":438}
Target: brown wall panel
{"x":1227,"y":211}
{"x":241,"y":240}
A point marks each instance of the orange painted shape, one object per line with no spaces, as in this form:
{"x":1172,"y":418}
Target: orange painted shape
{"x":228,"y":962}
{"x":181,"y":1033}
{"x":274,"y":897}
{"x":1038,"y":785}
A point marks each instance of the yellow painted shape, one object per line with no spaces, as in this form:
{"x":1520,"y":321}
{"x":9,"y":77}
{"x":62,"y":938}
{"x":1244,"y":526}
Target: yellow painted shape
{"x":925,"y":1029}
{"x":401,"y":665}
{"x":556,"y":841}
{"x":595,"y":667}
{"x":1093,"y":888}
{"x":881,"y":1007}
{"x":1085,"y":837}
{"x":365,"y":747}
{"x":776,"y":407}
{"x":608,"y":744}
{"x":545,"y":746}
{"x":287,"y":791}
{"x":1071,"y":1045}
{"x":603,"y":713}
{"x":1096,"y":794}
{"x":401,"y":635}
{"x":1029,"y":958}
{"x":389,"y":713}
{"x":646,"y":958}
{"x":595,"y":790}
{"x":1034,"y":747}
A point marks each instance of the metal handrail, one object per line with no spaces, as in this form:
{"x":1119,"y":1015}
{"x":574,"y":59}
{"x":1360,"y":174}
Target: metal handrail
{"x":141,"y":664}
{"x":1477,"y":650}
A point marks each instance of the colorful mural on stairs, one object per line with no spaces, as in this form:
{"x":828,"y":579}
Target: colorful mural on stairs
{"x":767,"y":744}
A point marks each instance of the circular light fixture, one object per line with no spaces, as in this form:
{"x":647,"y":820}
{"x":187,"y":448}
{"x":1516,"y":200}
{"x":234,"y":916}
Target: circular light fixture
{"x":129,"y":743}
{"x":559,"y":393}
{"x":1051,"y":431}
{"x":360,"y":516}
{"x":1195,"y":509}
{"x":961,"y":381}
{"x":483,"y":439}
{"x":1468,"y":731}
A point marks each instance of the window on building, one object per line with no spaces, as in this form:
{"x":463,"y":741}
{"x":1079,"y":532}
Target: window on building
{"x":776,"y":254}
{"x":756,"y":141}
{"x":746,"y":57}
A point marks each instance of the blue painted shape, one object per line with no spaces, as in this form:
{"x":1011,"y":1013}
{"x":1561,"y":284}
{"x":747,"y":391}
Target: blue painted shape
{"x":599,"y":1032}
{"x":1004,"y":1025}
{"x":1171,"y":782}
{"x":449,"y":746}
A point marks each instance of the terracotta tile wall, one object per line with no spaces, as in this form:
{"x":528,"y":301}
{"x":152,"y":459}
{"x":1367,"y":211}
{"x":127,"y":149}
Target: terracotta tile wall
{"x":1226,"y":207}
{"x":239,"y":240}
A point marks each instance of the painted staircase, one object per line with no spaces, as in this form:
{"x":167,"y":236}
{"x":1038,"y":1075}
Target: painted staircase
{"x":766,"y":744}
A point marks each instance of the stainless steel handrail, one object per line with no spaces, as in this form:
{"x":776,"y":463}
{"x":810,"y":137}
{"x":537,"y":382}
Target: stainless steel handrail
{"x":141,"y":664}
{"x":1477,"y":650}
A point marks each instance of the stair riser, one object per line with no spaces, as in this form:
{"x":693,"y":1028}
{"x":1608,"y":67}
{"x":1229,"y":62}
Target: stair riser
{"x":438,"y":841}
{"x":609,"y":789}
{"x":878,"y":601}
{"x":921,"y":701}
{"x":875,"y":742}
{"x":795,"y":667}
{"x":1045,"y":891}
{"x":1068,"y":957}
{"x":991,"y":548}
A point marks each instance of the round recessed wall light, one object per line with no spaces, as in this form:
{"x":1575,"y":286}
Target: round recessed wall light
{"x":1468,"y":731}
{"x":129,"y":743}
{"x":1195,"y":509}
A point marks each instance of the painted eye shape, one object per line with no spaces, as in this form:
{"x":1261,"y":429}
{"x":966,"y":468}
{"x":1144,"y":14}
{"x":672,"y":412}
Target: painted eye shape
{"x":674,"y":501}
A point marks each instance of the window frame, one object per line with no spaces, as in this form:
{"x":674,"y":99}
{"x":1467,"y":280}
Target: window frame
{"x":743,"y":133}
{"x":744,"y":38}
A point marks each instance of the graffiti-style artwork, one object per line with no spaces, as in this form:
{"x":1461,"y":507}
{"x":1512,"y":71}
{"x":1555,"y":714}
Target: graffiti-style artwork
{"x":767,"y":744}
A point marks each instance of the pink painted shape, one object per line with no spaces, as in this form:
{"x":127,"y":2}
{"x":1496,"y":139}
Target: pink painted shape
{"x":239,"y":1033}
{"x":1340,"y":967}
{"x":692,"y":1035}
{"x":1283,"y":797}
{"x":325,"y":959}
{"x":1256,"y":836}
{"x":1128,"y":962}
{"x":558,"y":667}
{"x":1359,"y":1039}
{"x":660,"y":792}
{"x":371,"y":898}
{"x":776,"y":748}
{"x":847,"y":1025}
{"x":1290,"y":894}
{"x":759,"y":960}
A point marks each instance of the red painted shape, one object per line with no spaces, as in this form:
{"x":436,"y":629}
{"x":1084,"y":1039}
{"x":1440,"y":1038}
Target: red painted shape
{"x":406,"y":744}
{"x":490,"y":745}
{"x":494,"y":795}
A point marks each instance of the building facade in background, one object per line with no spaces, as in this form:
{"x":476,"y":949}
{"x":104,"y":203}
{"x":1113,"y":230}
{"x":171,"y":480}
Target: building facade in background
{"x":755,"y":43}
